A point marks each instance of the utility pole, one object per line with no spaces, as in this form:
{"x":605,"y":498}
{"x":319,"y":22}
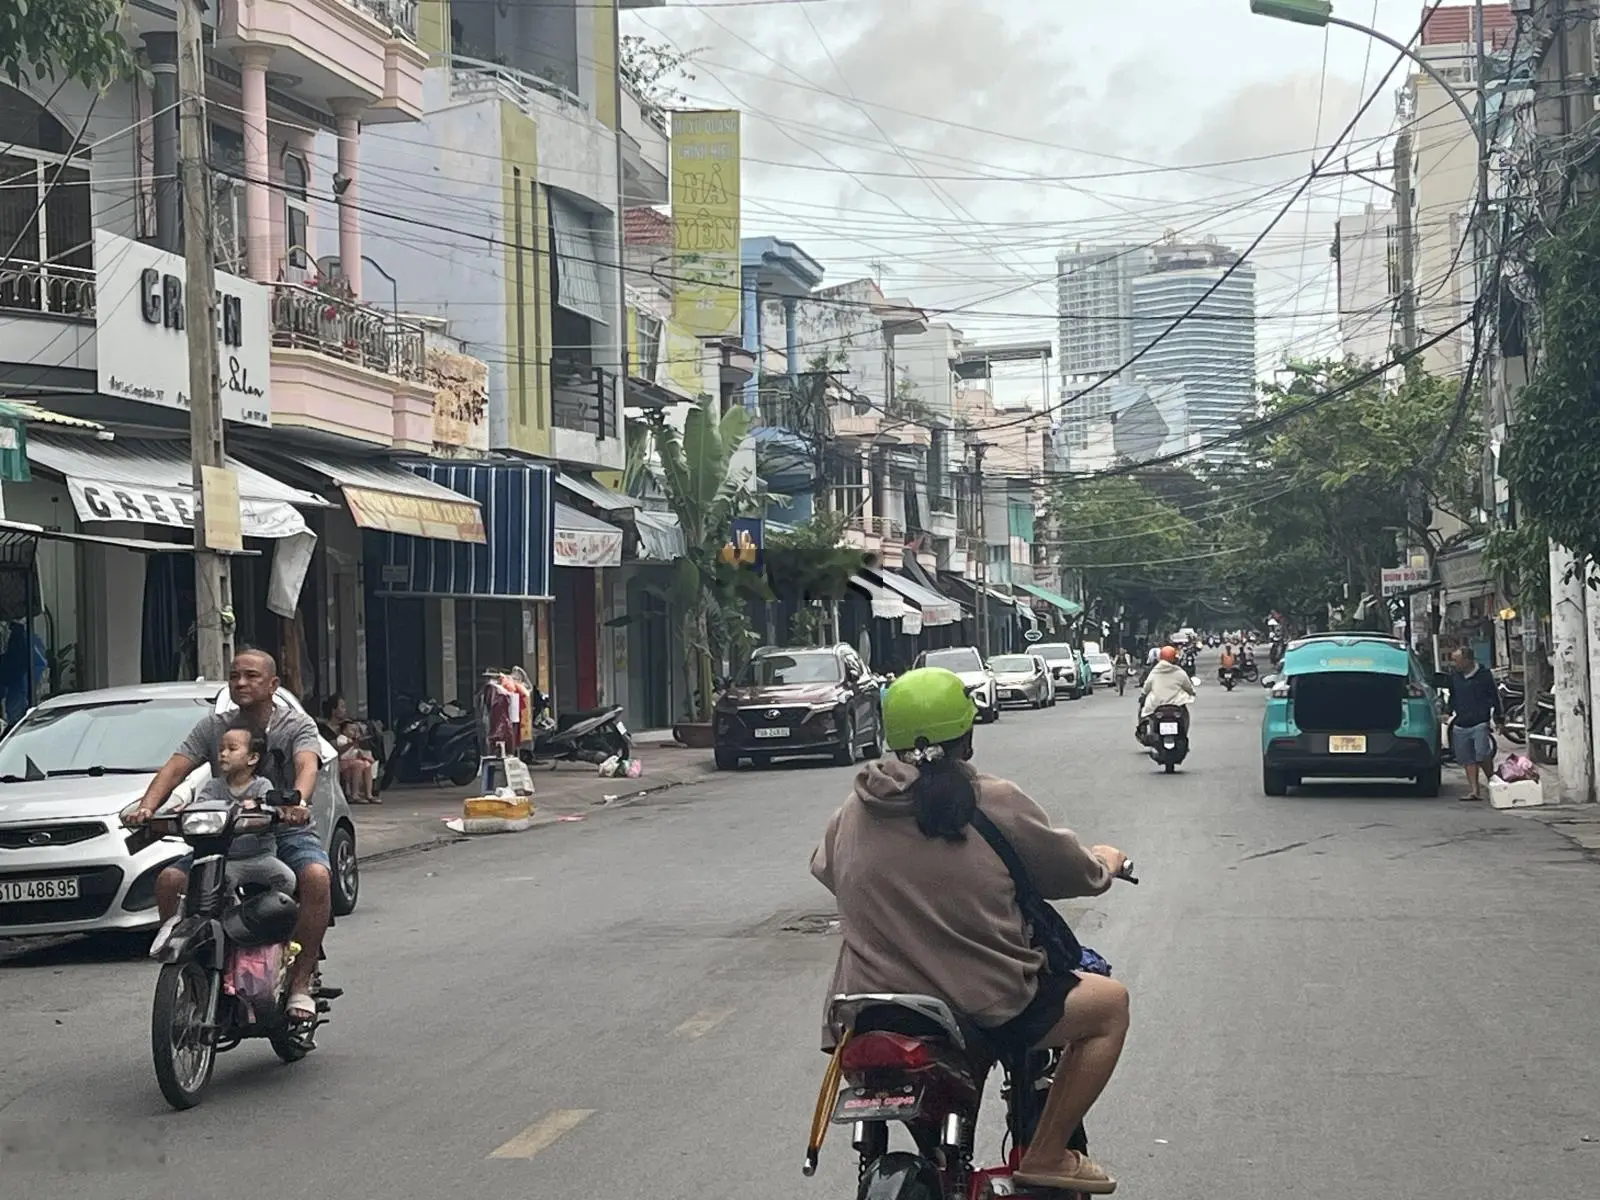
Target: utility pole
{"x":213,"y":585}
{"x":1405,"y":234}
{"x":978,"y":450}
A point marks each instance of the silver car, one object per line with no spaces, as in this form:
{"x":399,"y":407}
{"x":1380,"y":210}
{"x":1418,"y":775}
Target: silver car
{"x":1022,"y":679}
{"x":67,"y":771}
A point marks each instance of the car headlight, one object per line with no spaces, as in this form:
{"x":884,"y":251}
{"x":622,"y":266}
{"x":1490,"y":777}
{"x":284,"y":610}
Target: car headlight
{"x":204,"y":824}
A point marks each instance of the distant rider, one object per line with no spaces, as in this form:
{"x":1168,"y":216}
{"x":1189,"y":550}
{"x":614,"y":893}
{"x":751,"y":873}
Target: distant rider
{"x":1167,"y":685}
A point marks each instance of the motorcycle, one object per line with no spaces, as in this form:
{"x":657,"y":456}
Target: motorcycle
{"x":437,"y":741}
{"x":910,"y":1060}
{"x":1537,"y":732}
{"x":1227,"y":676}
{"x":1249,"y":672}
{"x":590,"y":735}
{"x":226,"y":956}
{"x":1167,"y":736}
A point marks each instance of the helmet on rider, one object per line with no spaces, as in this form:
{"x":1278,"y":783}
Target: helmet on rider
{"x":1169,"y":654}
{"x":926,"y":707}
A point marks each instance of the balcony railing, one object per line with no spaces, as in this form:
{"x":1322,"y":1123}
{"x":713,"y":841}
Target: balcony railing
{"x":584,"y":398}
{"x":306,"y":318}
{"x":476,"y":76}
{"x":397,"y":14}
{"x":47,"y":288}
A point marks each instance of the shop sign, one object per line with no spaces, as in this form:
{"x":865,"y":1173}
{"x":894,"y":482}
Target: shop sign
{"x":460,"y":386}
{"x":97,"y":500}
{"x":1397,"y":581}
{"x":416,"y":516}
{"x":142,"y":346}
{"x":588,"y":548}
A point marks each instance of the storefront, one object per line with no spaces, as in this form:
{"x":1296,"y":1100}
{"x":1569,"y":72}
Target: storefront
{"x":466,"y":606}
{"x":584,"y":547}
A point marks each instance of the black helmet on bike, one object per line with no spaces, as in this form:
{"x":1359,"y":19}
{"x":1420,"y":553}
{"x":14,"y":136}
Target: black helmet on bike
{"x":262,"y":919}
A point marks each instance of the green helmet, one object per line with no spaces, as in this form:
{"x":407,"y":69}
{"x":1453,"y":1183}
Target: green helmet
{"x":930,"y":703}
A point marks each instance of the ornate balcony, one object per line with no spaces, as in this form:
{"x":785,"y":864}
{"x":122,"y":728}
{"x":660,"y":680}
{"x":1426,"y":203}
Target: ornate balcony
{"x":48,"y":288}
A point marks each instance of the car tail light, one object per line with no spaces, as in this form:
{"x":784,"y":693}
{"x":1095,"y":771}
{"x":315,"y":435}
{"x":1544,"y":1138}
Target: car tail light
{"x":891,"y":1051}
{"x":1416,"y":691}
{"x":1280,"y":691}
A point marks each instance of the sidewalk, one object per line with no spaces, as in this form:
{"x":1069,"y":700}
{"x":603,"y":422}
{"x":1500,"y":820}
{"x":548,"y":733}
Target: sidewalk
{"x":1579,"y":823}
{"x":413,"y":817}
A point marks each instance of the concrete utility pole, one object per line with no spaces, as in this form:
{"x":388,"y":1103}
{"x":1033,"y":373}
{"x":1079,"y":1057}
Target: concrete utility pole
{"x":979,"y":448}
{"x":1405,"y":252}
{"x":213,"y":585}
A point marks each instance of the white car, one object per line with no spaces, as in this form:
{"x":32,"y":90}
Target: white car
{"x":1103,"y":668}
{"x":966,"y":662}
{"x":67,"y":771}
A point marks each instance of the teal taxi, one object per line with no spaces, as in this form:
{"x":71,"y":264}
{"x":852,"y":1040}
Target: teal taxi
{"x":1351,"y":706}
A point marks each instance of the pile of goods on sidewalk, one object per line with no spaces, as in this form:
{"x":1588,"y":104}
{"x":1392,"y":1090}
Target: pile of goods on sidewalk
{"x":1515,"y":784}
{"x":506,"y":808}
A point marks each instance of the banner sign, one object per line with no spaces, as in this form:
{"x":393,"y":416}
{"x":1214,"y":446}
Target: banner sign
{"x":705,"y":223}
{"x":588,"y":548}
{"x":95,"y":500}
{"x":1399,"y":580}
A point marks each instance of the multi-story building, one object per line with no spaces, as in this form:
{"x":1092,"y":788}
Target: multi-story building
{"x":1195,"y":310}
{"x":1137,"y":419}
{"x":321,"y":389}
{"x":1365,"y":255}
{"x":1094,"y":304}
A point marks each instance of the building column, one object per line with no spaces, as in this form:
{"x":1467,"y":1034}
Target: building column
{"x":348,"y":113}
{"x":791,"y":346}
{"x":162,"y":49}
{"x":751,"y":328}
{"x":253,"y":62}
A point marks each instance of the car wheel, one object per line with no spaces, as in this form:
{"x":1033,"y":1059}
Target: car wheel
{"x":346,"y":871}
{"x":874,"y":748}
{"x":845,"y":755}
{"x":727,"y":760}
{"x":1274,"y":783}
{"x":1429,"y":782}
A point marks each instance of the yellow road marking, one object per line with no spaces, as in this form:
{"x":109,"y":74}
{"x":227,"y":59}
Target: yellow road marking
{"x":703,"y":1022}
{"x":543,"y":1133}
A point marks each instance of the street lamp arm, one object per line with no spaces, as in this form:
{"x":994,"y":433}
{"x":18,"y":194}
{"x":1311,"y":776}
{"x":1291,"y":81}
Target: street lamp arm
{"x":1423,"y":64}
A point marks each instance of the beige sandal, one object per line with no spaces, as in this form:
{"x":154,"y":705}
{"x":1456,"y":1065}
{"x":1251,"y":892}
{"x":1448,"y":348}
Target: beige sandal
{"x":1085,"y":1175}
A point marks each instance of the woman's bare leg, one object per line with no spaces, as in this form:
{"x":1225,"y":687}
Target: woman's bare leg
{"x":1090,"y":1034}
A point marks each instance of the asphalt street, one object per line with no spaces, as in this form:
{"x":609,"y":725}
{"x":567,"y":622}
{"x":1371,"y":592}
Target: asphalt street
{"x":1347,"y":993}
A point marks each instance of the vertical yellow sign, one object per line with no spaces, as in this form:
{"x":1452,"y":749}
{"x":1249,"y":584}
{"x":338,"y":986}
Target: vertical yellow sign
{"x":705,"y":222}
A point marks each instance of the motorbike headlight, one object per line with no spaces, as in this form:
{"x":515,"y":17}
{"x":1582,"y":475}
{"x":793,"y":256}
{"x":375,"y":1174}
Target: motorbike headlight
{"x":204,"y":824}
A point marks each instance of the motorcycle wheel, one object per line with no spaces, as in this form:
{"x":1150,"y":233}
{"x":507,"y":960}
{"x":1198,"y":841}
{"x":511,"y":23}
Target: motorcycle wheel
{"x":899,"y":1176}
{"x":462,"y":773}
{"x":1171,"y":767}
{"x":184,"y":1053}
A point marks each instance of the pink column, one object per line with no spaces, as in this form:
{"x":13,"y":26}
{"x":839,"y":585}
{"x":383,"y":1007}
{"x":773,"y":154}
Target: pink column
{"x":253,"y":62}
{"x":348,"y":113}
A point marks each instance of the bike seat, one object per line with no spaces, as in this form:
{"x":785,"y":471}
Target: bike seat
{"x":568,"y":719}
{"x":261,"y":872}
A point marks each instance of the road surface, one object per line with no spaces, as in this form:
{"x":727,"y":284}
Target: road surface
{"x":1346,"y":993}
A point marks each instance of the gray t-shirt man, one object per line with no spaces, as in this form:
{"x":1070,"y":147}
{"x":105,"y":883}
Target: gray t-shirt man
{"x":288,"y":733}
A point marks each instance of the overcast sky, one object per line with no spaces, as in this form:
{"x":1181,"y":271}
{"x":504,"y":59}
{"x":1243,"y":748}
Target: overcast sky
{"x":960,"y":143}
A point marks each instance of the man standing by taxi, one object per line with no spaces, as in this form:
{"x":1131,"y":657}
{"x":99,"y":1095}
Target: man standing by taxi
{"x":1475,"y":703}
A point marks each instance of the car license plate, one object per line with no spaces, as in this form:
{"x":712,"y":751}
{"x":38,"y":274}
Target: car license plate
{"x":877,"y":1104}
{"x":23,"y":891}
{"x":774,"y":732}
{"x":1347,"y":743}
{"x":1169,"y":729}
{"x":622,"y":729}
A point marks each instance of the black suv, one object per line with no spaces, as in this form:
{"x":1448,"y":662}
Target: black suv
{"x":790,"y":703}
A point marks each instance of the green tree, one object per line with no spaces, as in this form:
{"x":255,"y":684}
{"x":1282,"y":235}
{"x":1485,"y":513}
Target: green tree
{"x":656,"y":73}
{"x":1130,"y":547}
{"x":72,"y":39}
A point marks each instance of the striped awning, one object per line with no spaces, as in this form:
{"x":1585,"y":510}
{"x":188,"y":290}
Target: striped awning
{"x":518,"y":518}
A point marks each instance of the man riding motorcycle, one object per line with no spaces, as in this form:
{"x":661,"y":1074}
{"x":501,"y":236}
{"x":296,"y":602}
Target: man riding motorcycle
{"x":1228,"y":667}
{"x":927,"y":907}
{"x":291,"y":764}
{"x":1167,"y":685}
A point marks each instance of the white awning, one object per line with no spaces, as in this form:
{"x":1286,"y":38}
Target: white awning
{"x":660,"y":536}
{"x":583,"y":541}
{"x":149,"y":482}
{"x":596,"y":494}
{"x":13,"y":531}
{"x":889,"y":605}
{"x":385,"y":496}
{"x":936,"y":609}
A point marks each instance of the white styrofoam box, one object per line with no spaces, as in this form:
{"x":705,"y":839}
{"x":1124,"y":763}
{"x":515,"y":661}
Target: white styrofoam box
{"x":1525,"y":793}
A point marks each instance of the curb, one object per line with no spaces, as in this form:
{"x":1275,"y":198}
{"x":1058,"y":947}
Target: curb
{"x":451,"y":839}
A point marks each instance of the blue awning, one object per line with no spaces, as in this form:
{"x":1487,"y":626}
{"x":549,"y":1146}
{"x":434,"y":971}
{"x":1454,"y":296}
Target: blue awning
{"x":519,"y":518}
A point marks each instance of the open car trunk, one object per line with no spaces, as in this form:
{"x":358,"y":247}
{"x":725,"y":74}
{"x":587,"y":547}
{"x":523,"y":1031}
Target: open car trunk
{"x":1348,"y":702}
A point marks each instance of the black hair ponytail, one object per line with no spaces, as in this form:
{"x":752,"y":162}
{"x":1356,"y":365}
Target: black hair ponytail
{"x":944,"y":795}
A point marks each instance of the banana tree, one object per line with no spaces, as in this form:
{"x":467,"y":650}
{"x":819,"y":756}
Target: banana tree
{"x":706,"y":489}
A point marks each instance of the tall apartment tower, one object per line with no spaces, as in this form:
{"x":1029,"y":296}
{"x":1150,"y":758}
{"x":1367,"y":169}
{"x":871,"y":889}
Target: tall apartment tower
{"x":1094,"y":304}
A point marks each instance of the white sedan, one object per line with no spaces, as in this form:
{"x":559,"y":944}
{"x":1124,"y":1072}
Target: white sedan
{"x":69,"y":768}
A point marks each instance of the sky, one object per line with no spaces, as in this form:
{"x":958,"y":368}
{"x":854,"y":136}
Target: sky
{"x":950,"y":148}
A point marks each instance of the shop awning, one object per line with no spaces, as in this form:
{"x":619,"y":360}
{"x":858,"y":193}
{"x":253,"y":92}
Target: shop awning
{"x":585,"y":541}
{"x":596,"y":494}
{"x":16,"y":532}
{"x":391,"y":499}
{"x":519,"y":521}
{"x":148,"y":482}
{"x":936,"y":609}
{"x":886,"y":603}
{"x":660,"y":536}
{"x":1071,"y":607}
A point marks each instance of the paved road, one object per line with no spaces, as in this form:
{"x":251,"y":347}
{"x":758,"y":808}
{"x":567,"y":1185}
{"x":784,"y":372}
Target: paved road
{"x":1338,"y":995}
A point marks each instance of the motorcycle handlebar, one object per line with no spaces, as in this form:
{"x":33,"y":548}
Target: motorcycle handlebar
{"x":1126,"y":874}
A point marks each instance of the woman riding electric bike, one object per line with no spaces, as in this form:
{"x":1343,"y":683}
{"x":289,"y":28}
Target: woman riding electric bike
{"x":927,"y":906}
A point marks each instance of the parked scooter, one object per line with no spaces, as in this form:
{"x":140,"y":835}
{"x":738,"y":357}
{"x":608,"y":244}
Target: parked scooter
{"x":589,"y":735}
{"x":437,"y":741}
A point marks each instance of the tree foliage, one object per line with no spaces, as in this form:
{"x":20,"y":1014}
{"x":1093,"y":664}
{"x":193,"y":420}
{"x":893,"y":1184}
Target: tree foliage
{"x":71,"y":39}
{"x":656,"y":73}
{"x":1552,"y":457}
